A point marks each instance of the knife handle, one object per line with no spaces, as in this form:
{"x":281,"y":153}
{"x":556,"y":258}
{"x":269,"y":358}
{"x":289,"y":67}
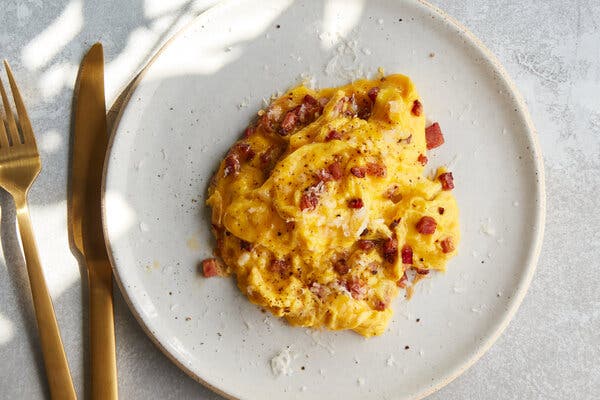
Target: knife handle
{"x":102,"y":332}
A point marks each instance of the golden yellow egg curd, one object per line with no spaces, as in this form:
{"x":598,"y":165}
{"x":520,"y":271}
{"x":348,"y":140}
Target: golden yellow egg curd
{"x":322,"y":210}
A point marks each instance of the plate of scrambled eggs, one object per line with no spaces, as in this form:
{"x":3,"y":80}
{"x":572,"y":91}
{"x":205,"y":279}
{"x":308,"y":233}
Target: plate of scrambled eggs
{"x":306,"y":198}
{"x":321,"y":210}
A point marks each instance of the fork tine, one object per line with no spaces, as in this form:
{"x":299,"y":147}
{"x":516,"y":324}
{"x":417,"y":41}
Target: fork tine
{"x":21,"y":112}
{"x":3,"y":137}
{"x":13,"y":133}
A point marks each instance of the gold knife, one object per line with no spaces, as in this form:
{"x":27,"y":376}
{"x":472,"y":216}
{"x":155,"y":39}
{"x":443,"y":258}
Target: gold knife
{"x":90,"y":141}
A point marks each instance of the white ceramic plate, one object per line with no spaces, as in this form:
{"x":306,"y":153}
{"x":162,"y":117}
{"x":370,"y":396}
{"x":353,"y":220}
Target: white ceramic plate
{"x":193,"y":102}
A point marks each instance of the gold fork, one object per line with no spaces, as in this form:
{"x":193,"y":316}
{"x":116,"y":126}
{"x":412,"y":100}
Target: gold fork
{"x":19,"y":166}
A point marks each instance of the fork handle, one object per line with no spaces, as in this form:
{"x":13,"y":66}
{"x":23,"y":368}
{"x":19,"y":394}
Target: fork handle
{"x":102,"y":331}
{"x":55,"y":360}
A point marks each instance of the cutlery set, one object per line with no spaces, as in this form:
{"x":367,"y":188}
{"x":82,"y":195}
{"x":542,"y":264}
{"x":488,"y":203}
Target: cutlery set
{"x":19,"y":166}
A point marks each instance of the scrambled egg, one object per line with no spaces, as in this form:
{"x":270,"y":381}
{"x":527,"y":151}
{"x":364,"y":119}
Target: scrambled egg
{"x":321,"y":210}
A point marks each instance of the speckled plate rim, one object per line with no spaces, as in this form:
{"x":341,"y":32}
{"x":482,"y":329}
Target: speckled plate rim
{"x":116,"y":112}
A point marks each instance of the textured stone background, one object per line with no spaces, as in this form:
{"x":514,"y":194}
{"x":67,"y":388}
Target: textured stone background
{"x":551,"y":350}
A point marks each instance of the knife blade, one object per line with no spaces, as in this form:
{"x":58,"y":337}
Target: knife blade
{"x":90,"y":141}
